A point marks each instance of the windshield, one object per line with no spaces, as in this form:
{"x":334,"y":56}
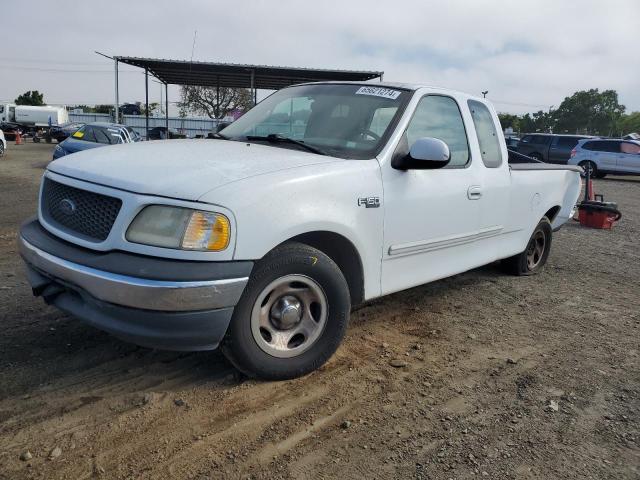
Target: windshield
{"x":344,"y":120}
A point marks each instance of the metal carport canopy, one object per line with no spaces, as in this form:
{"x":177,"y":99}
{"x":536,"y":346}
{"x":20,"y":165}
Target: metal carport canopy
{"x":213,"y":74}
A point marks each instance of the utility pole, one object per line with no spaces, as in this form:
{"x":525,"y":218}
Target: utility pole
{"x":484,"y":94}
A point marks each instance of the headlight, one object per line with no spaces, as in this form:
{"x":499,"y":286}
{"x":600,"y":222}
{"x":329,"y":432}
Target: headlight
{"x":176,"y":227}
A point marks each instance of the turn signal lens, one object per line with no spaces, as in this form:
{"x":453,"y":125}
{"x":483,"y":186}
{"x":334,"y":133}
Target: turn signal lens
{"x":178,"y":227}
{"x":206,"y":231}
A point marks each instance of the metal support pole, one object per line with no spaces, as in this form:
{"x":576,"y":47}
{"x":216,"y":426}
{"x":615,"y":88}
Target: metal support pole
{"x":253,"y":88}
{"x":217,"y":112}
{"x":117,"y":100}
{"x":146,"y":101}
{"x":381,"y":75}
{"x":166,"y":107}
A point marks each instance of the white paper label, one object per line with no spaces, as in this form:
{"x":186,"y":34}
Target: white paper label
{"x":379,"y":92}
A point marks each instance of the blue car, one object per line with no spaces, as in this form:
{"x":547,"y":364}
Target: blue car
{"x":93,"y":135}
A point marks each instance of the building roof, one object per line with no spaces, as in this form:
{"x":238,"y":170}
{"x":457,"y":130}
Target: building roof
{"x":211,"y":74}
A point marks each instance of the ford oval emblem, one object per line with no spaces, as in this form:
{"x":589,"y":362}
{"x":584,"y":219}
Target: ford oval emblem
{"x":67,"y":206}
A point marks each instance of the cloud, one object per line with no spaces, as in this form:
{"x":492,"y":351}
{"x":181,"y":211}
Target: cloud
{"x":528,"y":55}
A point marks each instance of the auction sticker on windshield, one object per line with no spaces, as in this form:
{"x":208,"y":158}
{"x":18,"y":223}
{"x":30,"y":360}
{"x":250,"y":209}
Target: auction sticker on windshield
{"x":379,"y":92}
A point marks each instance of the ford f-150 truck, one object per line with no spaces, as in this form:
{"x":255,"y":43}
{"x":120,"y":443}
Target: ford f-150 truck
{"x":321,"y":197}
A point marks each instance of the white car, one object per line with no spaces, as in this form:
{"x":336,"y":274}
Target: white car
{"x":321,"y":197}
{"x":609,"y":155}
{"x":3,"y":143}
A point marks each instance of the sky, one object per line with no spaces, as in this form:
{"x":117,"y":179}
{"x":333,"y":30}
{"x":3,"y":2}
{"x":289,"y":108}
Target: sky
{"x":528,"y":55}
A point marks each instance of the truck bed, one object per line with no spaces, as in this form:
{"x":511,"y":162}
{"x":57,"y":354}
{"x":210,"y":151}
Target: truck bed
{"x":544,"y":166}
{"x":518,"y":161}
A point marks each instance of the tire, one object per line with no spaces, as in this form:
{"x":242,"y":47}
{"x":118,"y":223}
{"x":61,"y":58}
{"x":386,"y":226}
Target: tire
{"x":36,"y":139}
{"x":294,"y":288}
{"x":534,"y":257}
{"x":1,"y":149}
{"x":586,"y":165}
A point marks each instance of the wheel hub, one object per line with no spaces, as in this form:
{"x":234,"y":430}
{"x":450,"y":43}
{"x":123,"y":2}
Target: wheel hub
{"x":289,"y":316}
{"x":536,"y":249}
{"x":286,"y":312}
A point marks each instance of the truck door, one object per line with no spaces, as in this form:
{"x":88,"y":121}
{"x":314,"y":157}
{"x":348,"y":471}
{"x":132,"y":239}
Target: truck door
{"x":495,"y":179}
{"x":431,"y":216}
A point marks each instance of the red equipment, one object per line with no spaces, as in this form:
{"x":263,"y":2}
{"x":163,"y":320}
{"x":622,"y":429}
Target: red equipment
{"x":596,"y":213}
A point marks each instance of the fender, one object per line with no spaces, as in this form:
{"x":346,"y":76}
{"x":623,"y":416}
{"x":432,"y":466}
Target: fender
{"x":273,"y":208}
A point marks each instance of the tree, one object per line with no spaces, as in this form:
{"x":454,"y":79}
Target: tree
{"x":152,"y":108}
{"x":629,"y":123}
{"x":212,"y":102}
{"x":589,"y":111}
{"x":32,"y":97}
{"x":537,"y":122}
{"x":102,"y":109}
{"x":508,"y":120}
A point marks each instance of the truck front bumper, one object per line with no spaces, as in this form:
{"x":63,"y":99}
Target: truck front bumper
{"x":159,"y":303}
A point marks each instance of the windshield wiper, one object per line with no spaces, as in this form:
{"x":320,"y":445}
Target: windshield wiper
{"x":277,"y":138}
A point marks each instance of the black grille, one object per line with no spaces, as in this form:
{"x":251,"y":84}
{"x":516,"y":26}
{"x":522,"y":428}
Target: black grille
{"x":87,"y":213}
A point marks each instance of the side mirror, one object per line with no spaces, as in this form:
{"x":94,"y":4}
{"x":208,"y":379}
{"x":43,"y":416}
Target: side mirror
{"x":426,"y":153}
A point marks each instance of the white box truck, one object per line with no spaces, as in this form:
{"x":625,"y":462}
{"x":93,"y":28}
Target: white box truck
{"x":34,"y":119}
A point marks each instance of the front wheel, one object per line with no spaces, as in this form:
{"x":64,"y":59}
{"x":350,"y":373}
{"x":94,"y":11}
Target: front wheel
{"x":292,"y":315}
{"x":534,"y":257}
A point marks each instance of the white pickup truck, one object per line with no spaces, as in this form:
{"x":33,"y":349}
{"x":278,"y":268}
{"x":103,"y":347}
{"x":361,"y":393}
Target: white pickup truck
{"x":321,"y":197}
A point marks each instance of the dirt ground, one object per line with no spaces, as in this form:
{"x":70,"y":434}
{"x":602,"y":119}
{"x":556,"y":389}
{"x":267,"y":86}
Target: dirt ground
{"x":486,"y":358}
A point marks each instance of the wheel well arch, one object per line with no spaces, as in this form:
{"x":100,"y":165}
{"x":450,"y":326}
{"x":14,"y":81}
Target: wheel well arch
{"x":344,"y":253}
{"x":552,"y":212}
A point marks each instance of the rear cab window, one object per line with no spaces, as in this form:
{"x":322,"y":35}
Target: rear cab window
{"x":490,"y":150}
{"x":565,"y":142}
{"x":541,"y":139}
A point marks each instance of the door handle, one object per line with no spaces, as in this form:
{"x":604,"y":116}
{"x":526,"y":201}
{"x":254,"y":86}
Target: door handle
{"x":474,"y":192}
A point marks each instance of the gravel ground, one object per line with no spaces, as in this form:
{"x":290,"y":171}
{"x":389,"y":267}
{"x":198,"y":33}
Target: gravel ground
{"x":494,"y":377}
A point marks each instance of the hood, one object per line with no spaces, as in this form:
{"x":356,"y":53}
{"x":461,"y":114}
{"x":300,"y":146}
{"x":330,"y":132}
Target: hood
{"x":71,"y":145}
{"x":183,"y":169}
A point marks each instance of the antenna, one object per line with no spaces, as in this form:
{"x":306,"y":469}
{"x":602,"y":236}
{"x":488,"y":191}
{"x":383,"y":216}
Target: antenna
{"x":193,"y":47}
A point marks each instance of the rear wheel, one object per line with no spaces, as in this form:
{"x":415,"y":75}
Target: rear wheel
{"x":589,"y":166}
{"x":292,"y":315}
{"x":534,"y":257}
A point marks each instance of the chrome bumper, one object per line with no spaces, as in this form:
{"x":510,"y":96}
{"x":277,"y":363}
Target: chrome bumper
{"x":135,"y":292}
